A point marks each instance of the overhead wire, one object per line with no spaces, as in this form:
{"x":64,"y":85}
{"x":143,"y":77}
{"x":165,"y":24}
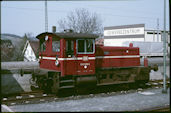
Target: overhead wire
{"x":109,"y":14}
{"x":60,"y":11}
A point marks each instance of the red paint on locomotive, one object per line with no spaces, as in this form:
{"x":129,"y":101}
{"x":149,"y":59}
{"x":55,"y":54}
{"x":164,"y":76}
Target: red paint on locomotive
{"x":107,"y":56}
{"x":82,"y":63}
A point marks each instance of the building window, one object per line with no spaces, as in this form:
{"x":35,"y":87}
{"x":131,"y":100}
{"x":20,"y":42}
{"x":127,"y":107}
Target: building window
{"x":56,"y":46}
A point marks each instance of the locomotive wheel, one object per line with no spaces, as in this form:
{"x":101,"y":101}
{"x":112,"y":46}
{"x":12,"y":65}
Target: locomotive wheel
{"x":55,"y":85}
{"x":32,"y":88}
{"x":80,"y":90}
{"x":85,"y":89}
{"x":40,"y":83}
{"x":48,"y":85}
{"x":141,"y":83}
{"x":133,"y":85}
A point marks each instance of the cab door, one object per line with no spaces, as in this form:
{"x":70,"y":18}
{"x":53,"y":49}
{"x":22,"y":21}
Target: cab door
{"x":70,"y":62}
{"x":85,"y":56}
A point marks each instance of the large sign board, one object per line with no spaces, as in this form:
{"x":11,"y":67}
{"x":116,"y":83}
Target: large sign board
{"x":126,"y":31}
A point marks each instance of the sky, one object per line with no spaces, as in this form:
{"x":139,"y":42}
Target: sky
{"x":20,"y":17}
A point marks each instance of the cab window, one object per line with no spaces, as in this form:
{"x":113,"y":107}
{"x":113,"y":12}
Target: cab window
{"x":42,"y":46}
{"x":89,"y":45}
{"x":69,"y":48}
{"x":85,"y":46}
{"x":55,"y":46}
{"x":80,"y":46}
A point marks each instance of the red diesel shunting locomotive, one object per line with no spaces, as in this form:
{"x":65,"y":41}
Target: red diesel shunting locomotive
{"x":71,"y":59}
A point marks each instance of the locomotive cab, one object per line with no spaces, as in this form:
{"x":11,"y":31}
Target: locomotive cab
{"x":68,"y":53}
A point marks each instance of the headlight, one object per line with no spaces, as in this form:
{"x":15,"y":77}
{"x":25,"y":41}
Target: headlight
{"x":56,"y":62}
{"x":46,"y":38}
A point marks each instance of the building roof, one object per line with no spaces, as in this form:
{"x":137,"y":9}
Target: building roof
{"x":124,"y":26}
{"x":34,"y":45}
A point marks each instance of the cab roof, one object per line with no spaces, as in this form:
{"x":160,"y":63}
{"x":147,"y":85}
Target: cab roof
{"x":68,"y":35}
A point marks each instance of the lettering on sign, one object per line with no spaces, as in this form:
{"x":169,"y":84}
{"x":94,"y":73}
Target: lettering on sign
{"x":126,"y":31}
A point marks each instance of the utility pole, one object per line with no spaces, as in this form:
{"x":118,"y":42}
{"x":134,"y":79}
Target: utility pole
{"x":46,"y":17}
{"x":164,"y":51}
{"x":157,"y":29}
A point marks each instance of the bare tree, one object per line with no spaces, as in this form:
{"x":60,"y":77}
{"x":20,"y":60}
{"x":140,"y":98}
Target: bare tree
{"x":6,"y":50}
{"x":18,"y":50}
{"x":81,"y":21}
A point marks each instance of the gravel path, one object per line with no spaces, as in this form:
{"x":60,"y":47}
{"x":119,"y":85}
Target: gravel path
{"x":136,"y":101}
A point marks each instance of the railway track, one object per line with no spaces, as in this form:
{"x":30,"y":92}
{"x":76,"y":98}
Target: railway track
{"x":40,"y":96}
{"x":158,"y":109}
{"x":27,"y":97}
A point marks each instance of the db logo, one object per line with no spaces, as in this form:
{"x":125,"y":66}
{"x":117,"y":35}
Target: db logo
{"x":85,"y":65}
{"x":85,"y":58}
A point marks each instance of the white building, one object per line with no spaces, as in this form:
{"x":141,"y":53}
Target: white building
{"x":30,"y":51}
{"x":149,"y":41}
{"x":156,"y":36}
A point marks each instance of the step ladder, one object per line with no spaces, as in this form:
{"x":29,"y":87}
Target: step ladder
{"x":66,"y":83}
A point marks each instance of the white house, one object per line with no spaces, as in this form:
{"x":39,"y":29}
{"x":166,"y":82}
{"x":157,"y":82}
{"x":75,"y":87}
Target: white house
{"x":150,"y":42}
{"x":30,"y":51}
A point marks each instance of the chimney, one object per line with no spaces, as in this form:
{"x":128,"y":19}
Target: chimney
{"x":53,"y":29}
